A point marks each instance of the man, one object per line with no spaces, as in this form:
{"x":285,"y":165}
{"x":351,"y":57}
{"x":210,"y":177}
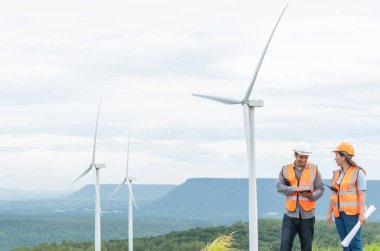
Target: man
{"x":302,"y":185}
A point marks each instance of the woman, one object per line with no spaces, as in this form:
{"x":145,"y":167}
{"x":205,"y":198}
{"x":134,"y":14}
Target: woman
{"x":348,"y":200}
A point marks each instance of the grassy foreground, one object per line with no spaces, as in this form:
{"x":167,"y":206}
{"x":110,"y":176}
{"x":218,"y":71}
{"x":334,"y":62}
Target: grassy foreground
{"x":326,"y":239}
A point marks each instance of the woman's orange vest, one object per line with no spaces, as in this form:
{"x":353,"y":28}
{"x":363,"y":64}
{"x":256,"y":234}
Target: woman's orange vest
{"x":346,"y":198}
{"x":306,"y":182}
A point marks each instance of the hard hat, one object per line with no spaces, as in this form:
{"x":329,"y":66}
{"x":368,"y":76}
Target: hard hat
{"x":302,"y":148}
{"x":345,"y":147}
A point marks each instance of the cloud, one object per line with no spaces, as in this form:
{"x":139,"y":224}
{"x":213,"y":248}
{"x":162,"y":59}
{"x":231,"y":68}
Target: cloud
{"x":319,"y":82}
{"x":226,"y":149}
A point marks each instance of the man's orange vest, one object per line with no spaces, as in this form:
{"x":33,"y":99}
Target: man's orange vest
{"x":346,"y":198}
{"x":306,"y":182}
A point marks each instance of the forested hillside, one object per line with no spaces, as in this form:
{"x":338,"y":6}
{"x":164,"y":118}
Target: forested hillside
{"x":326,"y":238}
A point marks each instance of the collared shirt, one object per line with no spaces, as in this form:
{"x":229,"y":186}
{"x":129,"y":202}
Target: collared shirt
{"x":361,"y":182}
{"x":288,"y":190}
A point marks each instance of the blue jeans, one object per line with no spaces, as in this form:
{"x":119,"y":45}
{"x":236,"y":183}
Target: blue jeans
{"x":291,"y":226}
{"x":344,"y":223}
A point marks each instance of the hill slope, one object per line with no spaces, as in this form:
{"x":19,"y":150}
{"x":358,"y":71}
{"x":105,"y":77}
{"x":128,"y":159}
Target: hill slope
{"x":141,"y":192}
{"x":228,"y":198}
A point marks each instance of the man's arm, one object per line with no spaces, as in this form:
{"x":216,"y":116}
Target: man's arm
{"x":282,"y":187}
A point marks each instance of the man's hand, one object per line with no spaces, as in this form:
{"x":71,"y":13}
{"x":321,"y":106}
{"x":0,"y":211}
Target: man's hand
{"x":307,"y":194}
{"x":297,"y":189}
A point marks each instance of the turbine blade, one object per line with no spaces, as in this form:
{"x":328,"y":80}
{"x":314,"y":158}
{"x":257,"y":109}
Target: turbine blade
{"x":96,"y":131}
{"x":83,"y":174}
{"x":249,"y":90}
{"x":228,"y":101}
{"x":117,"y":188}
{"x":133,"y":197}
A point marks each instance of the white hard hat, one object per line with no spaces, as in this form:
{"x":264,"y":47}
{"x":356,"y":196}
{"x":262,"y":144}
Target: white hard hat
{"x":302,"y":148}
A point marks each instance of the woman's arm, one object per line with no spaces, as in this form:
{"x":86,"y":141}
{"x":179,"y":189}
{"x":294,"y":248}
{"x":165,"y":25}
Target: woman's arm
{"x":329,"y":213}
{"x":362,"y":218}
{"x":362,"y":187}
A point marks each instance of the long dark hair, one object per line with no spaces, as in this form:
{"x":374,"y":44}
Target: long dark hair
{"x":348,"y":159}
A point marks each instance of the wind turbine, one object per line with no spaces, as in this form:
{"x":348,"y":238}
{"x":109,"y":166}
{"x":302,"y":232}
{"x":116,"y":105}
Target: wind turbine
{"x":96,"y":168}
{"x":248,"y":111}
{"x":131,"y":198}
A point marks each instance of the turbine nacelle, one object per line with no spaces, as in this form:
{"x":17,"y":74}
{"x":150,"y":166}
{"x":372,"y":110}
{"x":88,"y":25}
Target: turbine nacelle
{"x":130,"y":179}
{"x":100,"y":165}
{"x":256,"y":103}
{"x":231,"y":101}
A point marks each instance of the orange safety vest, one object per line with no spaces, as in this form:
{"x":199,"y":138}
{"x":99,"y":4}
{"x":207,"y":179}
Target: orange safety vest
{"x":346,"y":198}
{"x":306,"y":182}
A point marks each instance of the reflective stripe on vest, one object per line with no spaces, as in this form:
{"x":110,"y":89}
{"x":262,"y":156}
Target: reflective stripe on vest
{"x":347,"y":198}
{"x":306,"y":182}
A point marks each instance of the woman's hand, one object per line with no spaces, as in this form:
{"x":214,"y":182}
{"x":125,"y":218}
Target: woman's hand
{"x":329,"y":219}
{"x":362,"y":218}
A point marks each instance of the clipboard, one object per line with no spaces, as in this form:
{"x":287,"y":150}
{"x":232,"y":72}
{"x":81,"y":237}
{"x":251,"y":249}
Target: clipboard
{"x":304,"y":191}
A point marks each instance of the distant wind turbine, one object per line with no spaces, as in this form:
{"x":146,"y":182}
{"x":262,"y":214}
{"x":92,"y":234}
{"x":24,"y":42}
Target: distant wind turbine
{"x":96,"y":168}
{"x":248,"y":111}
{"x":131,"y":198}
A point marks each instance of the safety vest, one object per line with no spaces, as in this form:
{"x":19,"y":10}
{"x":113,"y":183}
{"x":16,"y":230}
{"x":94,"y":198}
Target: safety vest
{"x":306,"y":182}
{"x":346,"y":198}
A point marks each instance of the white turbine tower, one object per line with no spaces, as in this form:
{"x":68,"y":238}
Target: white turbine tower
{"x":131,"y":199}
{"x":96,"y":168}
{"x":248,"y":111}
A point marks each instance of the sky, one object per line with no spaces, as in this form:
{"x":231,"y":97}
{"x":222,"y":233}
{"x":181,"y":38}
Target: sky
{"x":319,"y":82}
